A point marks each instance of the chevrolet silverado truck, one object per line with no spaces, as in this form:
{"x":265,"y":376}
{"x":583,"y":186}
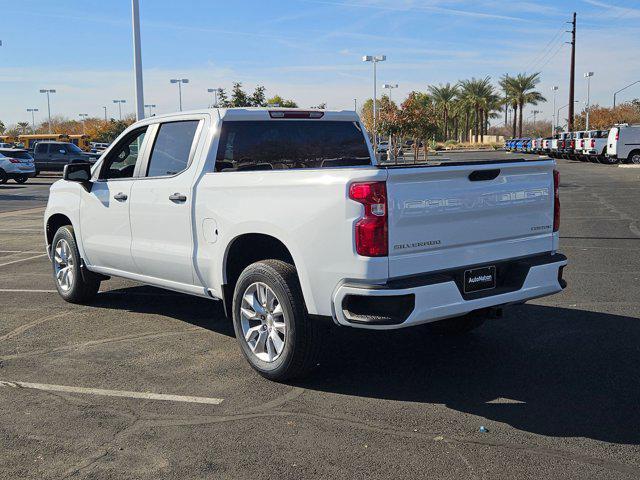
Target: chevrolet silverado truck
{"x":286,"y":217}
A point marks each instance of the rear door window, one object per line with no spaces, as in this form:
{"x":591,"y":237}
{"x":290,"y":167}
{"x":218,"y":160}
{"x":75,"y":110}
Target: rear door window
{"x":290,"y":144}
{"x":172,"y":147}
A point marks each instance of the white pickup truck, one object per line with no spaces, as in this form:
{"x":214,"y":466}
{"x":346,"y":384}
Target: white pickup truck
{"x":285,"y":217}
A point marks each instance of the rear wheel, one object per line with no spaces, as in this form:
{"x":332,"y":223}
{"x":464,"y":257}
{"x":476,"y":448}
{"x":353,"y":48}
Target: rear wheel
{"x":271,"y":323}
{"x":456,"y":325}
{"x":634,"y":157}
{"x":21,"y":179}
{"x":73,"y":285}
{"x":3,"y":176}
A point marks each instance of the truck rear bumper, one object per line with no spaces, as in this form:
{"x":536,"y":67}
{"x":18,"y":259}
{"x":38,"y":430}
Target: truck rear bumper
{"x":427,"y":298}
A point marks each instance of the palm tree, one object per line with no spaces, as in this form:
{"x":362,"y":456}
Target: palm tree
{"x":480,"y":96}
{"x":521,"y":90}
{"x":444,"y":96}
{"x":23,"y":126}
{"x":508,"y":84}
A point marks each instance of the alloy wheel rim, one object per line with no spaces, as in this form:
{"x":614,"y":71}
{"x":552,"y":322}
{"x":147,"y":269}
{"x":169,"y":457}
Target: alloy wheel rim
{"x":63,"y":265}
{"x":635,"y":159}
{"x":263,"y":322}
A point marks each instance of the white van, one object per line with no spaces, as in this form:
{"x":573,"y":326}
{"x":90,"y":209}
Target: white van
{"x":624,"y":143}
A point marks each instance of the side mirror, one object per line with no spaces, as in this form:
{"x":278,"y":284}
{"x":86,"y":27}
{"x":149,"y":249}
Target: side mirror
{"x":78,"y":172}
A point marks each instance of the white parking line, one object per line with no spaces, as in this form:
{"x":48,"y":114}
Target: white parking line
{"x":112,"y":393}
{"x":25,"y":290}
{"x":23,"y":260}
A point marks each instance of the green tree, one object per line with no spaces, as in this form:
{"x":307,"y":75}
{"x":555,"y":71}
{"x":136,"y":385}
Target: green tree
{"x":239,"y":97}
{"x":278,"y":101}
{"x":444,"y":97}
{"x":258,"y":99}
{"x":2,"y":127}
{"x":521,"y":91}
{"x":223,"y":100}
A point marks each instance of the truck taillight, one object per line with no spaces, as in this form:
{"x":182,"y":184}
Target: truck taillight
{"x":572,"y":144}
{"x":556,"y":200}
{"x":593,"y":143}
{"x":371,"y":231}
{"x":563,"y":143}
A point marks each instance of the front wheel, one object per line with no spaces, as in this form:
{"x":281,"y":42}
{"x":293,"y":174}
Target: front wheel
{"x":271,"y":323}
{"x":21,"y":178}
{"x":72,"y":285}
{"x":3,"y":176}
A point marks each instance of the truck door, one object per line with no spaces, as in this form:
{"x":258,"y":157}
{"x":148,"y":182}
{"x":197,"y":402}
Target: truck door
{"x":161,"y":224}
{"x":104,"y":212}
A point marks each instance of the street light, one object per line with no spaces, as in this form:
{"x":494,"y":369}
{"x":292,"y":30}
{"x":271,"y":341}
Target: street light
{"x":588,"y":76}
{"x":179,"y":81}
{"x":33,"y":118}
{"x":105,"y":113}
{"x":137,"y":59}
{"x":616,"y":93}
{"x":215,"y":97}
{"x":150,"y":106}
{"x":355,"y":104}
{"x":554,"y":89}
{"x":374,"y":59}
{"x":120,"y":102}
{"x":48,"y":91}
{"x":390,"y":88}
{"x":83,"y":116}
{"x":534,"y":113}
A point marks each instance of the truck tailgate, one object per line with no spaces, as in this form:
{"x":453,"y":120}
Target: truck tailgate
{"x":450,"y":216}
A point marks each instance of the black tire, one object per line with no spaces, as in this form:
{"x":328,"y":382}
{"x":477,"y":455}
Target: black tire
{"x":634,"y":157}
{"x":21,"y":179}
{"x":3,"y":176}
{"x":302,"y":341}
{"x":83,"y":285}
{"x":456,"y":325}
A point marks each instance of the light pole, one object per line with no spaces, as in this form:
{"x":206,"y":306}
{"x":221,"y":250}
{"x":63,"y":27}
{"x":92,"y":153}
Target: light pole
{"x":137,"y":59}
{"x":120,"y":102}
{"x":390,"y":88}
{"x":83,"y":116}
{"x":150,"y":106}
{"x":554,"y":89}
{"x":179,"y":81}
{"x":588,"y":76}
{"x":33,"y":118}
{"x":355,"y":104}
{"x":105,"y":113}
{"x":215,"y":97}
{"x":374,"y":59}
{"x":534,"y":113}
{"x":616,"y":93}
{"x":48,"y":91}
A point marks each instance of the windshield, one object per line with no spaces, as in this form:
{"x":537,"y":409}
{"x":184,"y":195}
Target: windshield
{"x":74,"y":148}
{"x":15,"y":154}
{"x":278,"y":145}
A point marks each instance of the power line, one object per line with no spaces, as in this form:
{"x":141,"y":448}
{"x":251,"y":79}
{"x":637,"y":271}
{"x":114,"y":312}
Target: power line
{"x":545,"y":49}
{"x":551,"y":57}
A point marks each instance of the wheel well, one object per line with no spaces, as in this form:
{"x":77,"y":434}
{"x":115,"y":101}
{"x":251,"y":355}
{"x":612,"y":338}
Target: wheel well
{"x":245,"y":250}
{"x":54,"y":223}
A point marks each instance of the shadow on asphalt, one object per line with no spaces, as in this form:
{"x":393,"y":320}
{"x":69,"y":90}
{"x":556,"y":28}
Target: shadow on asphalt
{"x":546,"y":370}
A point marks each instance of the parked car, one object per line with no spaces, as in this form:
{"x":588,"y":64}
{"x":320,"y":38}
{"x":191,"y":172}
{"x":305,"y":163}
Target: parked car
{"x":383,"y":147}
{"x":16,"y":164}
{"x":96,"y":147}
{"x":287,"y":218}
{"x":6,"y":145}
{"x":53,"y":156}
{"x":546,"y":145}
{"x":623,"y":143}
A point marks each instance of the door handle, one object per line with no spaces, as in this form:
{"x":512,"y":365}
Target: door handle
{"x":178,"y":197}
{"x":121,"y":197}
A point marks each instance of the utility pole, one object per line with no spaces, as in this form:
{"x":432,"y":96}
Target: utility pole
{"x":105,"y":113}
{"x":554,"y":89}
{"x":572,"y":73}
{"x":137,"y":59}
{"x":355,"y":104}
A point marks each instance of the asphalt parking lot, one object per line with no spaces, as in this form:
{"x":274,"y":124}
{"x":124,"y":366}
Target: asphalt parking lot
{"x":556,"y":382}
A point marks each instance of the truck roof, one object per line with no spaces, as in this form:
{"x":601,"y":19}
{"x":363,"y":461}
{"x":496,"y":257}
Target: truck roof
{"x":265,"y":113}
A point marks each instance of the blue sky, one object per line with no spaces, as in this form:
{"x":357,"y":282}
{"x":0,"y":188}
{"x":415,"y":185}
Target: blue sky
{"x":308,"y":50}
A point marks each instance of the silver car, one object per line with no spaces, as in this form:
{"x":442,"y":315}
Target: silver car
{"x":16,"y":164}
